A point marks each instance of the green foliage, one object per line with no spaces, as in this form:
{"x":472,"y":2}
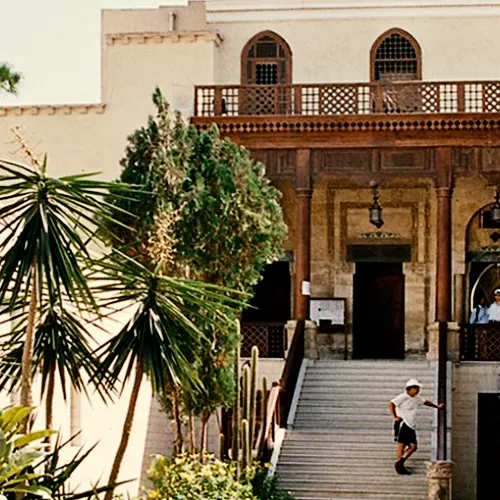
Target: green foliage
{"x":62,"y":341}
{"x":186,"y":477}
{"x":18,"y":454}
{"x":162,"y":335}
{"x":58,"y":474}
{"x":51,"y":220}
{"x":202,"y":208}
{"x":9,"y":79}
{"x":267,"y":487}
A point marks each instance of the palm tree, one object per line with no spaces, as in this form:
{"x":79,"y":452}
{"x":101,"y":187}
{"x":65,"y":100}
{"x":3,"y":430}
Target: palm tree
{"x":9,"y":79}
{"x":62,"y":347}
{"x":161,"y":335}
{"x":46,"y":224}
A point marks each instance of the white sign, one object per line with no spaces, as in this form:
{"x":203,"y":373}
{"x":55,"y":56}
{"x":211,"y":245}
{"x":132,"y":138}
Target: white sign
{"x":329,"y":310}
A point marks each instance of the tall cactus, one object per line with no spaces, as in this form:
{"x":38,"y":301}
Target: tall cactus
{"x":235,"y":448}
{"x":263,"y":414}
{"x":253,"y":392}
{"x":246,"y":448}
{"x":246,"y":394}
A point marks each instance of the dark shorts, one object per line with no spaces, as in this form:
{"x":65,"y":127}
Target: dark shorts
{"x":405,"y":434}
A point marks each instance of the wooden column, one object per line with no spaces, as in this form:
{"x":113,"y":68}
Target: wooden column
{"x":303,"y":195}
{"x":444,"y":190}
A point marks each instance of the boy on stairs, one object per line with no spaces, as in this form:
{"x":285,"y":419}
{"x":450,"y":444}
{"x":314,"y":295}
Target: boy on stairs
{"x":403,"y":409}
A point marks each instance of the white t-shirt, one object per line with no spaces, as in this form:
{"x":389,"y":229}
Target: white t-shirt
{"x":406,"y":408}
{"x":494,"y":312}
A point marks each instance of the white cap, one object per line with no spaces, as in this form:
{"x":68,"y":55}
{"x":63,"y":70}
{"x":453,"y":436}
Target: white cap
{"x":412,"y":383}
{"x":497,"y":291}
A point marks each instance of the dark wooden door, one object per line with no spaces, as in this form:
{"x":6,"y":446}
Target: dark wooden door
{"x":378,"y":316}
{"x":488,"y":444}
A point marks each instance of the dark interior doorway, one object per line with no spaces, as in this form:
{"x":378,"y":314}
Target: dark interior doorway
{"x":271,"y":302}
{"x":378,"y":315}
{"x":488,"y":444}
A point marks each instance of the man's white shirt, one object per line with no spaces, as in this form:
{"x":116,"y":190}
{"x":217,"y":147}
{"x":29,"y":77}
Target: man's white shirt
{"x":494,"y":312}
{"x":406,"y":408}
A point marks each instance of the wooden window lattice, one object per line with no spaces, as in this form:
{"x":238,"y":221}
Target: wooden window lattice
{"x":396,"y":59}
{"x":269,"y":338}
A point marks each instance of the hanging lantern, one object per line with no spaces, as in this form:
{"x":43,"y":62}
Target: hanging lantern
{"x":495,"y":209}
{"x":375,"y":209}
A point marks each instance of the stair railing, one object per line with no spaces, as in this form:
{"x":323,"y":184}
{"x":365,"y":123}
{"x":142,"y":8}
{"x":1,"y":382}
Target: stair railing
{"x":281,"y":394}
{"x":291,"y":370}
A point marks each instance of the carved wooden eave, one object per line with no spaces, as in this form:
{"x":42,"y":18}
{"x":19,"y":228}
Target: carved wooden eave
{"x":50,"y":109}
{"x":164,"y":37}
{"x":410,"y":130}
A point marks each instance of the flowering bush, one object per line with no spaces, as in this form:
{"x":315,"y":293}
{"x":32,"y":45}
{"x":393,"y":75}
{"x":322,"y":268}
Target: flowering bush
{"x":186,"y":478}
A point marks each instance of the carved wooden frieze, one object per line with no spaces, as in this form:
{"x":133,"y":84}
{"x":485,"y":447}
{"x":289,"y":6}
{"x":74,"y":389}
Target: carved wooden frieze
{"x":415,"y":159}
{"x":463,"y":158}
{"x":490,"y":159}
{"x":341,"y":160}
{"x":279,"y":163}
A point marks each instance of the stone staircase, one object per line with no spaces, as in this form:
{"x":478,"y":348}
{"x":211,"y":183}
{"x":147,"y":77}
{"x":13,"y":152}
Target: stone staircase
{"x":341,"y":445}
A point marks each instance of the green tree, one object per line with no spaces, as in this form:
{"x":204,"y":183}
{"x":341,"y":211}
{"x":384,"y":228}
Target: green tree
{"x":161,"y":336}
{"x":9,"y":79}
{"x":218,"y":214}
{"x":47,"y":224}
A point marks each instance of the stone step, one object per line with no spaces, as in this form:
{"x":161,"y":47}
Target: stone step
{"x":402,"y":484}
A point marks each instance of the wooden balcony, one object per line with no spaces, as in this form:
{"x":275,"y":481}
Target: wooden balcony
{"x":480,"y":342}
{"x":348,"y":99}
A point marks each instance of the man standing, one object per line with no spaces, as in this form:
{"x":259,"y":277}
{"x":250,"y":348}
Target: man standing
{"x":403,"y":409}
{"x":479,"y":315}
{"x":494,"y":310}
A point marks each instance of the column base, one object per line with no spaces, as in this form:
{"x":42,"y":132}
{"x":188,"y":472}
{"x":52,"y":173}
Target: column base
{"x":453,"y":341}
{"x":439,"y":475}
{"x":310,"y":338}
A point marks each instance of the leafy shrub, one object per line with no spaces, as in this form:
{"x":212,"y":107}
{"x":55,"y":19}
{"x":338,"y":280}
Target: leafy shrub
{"x":268,"y":487}
{"x":186,"y":478}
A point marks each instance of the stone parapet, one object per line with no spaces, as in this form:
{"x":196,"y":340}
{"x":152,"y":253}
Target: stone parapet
{"x":453,"y":341}
{"x":439,"y":474}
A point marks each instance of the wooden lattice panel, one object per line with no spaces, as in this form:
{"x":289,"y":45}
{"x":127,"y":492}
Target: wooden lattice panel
{"x":268,"y":337}
{"x":338,"y":100}
{"x":205,"y":101}
{"x":488,"y":343}
{"x":474,"y":97}
{"x":254,"y":334}
{"x":230,"y":100}
{"x":446,"y":98}
{"x":492,"y":97}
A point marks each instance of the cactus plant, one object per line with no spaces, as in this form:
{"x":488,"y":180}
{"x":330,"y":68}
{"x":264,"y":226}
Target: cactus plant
{"x":253,"y":392}
{"x":246,"y":450}
{"x":263,"y":413}
{"x":222,"y":447}
{"x":235,"y":448}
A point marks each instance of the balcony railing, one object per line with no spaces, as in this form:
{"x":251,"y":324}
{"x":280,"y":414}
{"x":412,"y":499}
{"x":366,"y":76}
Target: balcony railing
{"x":480,"y":342}
{"x":348,"y":99}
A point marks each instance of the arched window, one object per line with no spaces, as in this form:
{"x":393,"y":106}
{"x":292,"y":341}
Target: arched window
{"x":266,"y":60}
{"x":396,"y":56}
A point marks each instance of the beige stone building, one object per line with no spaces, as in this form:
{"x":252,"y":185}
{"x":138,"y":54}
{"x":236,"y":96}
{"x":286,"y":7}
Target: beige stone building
{"x":335,"y":97}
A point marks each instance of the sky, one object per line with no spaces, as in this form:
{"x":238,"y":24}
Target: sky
{"x":55,"y":45}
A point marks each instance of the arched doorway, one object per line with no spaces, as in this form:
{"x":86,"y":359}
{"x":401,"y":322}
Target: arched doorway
{"x":483,"y":258}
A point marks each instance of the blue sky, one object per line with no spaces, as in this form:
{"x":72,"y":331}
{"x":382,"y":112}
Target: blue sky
{"x":55,"y":44}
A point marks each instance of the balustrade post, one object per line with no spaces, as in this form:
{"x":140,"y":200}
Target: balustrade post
{"x":460,"y":97}
{"x":217,"y":101}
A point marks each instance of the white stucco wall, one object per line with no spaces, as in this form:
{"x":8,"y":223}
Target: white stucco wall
{"x":338,"y":50}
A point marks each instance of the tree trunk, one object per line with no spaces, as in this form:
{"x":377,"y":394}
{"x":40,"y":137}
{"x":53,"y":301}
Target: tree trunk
{"x":178,"y":423}
{"x":127,"y":427}
{"x":203,"y":438}
{"x":49,"y":402}
{"x":192,"y":435}
{"x":27,"y":360}
{"x":49,"y":399}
